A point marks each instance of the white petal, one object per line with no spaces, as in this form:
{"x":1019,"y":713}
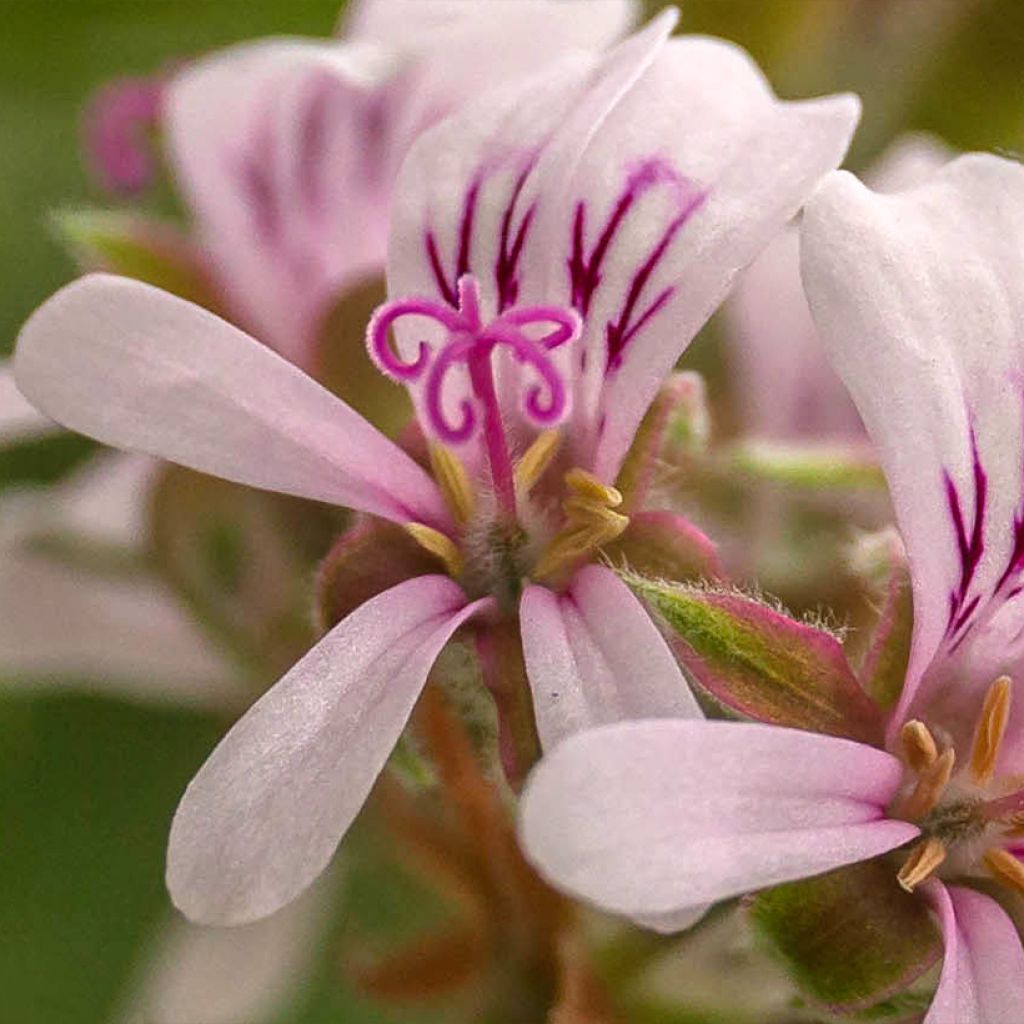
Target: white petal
{"x":140,"y":369}
{"x":594,"y":656}
{"x":919,"y":298}
{"x":263,"y":816}
{"x":654,"y":817}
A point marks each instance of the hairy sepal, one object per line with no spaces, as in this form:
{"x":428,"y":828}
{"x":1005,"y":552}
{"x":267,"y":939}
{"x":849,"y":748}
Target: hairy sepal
{"x":674,"y":431}
{"x":880,"y":560}
{"x":852,"y":939}
{"x":663,"y":545}
{"x":756,"y":660}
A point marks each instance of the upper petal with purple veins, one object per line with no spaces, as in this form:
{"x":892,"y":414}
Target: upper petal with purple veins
{"x":630,"y":189}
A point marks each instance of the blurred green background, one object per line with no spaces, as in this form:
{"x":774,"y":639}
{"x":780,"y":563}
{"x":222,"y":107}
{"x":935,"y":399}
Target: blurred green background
{"x":87,"y":785}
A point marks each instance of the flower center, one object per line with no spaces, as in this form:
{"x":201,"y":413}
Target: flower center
{"x":471,"y":343}
{"x":970,"y":821}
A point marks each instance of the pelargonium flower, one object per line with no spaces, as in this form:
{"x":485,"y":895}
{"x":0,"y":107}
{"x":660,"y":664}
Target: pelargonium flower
{"x":918,"y":299}
{"x":553,"y":249}
{"x":287,"y":150}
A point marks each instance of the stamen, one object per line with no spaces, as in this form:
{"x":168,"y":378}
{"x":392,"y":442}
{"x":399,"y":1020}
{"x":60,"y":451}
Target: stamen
{"x":919,"y":748}
{"x":530,"y":468}
{"x":452,"y":478}
{"x":438,"y":544}
{"x":930,"y":784}
{"x":591,"y":522}
{"x":988,"y":738}
{"x":1006,"y":868}
{"x":924,"y":860}
{"x":586,"y":485}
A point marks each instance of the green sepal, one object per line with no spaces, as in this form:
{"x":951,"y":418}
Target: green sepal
{"x":851,"y":939}
{"x":144,"y":248}
{"x":342,"y":364}
{"x":674,"y":431}
{"x":370,"y":557}
{"x":759,"y":662}
{"x":880,"y":560}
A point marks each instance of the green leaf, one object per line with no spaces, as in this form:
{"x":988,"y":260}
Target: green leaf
{"x":343,"y":364}
{"x":147,"y":249}
{"x":851,"y":938}
{"x":762,"y":663}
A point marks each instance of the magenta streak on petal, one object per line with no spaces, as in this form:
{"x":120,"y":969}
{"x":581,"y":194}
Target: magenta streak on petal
{"x":971,"y":547}
{"x":511,"y":249}
{"x":449,"y":289}
{"x":312,"y":146}
{"x":253,"y":171}
{"x":585,"y":271}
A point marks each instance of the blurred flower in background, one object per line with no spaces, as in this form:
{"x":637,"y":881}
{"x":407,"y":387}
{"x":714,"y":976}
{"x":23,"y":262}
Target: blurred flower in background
{"x":245,"y":158}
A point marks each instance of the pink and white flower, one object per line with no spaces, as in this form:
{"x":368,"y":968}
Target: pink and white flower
{"x":918,"y":299}
{"x":553,"y":250}
{"x":287,"y":149}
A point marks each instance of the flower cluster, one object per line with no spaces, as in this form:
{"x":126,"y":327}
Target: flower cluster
{"x":556,"y":227}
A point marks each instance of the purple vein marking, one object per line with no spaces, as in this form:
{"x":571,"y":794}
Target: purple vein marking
{"x":585,"y":271}
{"x":971,"y":546}
{"x":510,"y":247}
{"x":448,"y":287}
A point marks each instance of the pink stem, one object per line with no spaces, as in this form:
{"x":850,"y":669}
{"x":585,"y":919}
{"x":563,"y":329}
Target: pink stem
{"x":481,"y":375}
{"x":1005,"y":807}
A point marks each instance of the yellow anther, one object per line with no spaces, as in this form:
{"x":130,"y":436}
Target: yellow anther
{"x":452,"y":478}
{"x":1005,"y":868}
{"x":586,"y":485}
{"x":530,"y":468}
{"x":930,"y":784}
{"x":919,"y":747}
{"x":988,"y":736}
{"x":924,"y":860}
{"x":438,"y":544}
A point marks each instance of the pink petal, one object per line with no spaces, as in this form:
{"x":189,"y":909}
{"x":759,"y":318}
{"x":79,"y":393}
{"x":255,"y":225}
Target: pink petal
{"x":263,"y":816}
{"x":713,"y":166}
{"x":286,"y":151}
{"x":594,"y":656}
{"x":269,"y":962}
{"x":652,"y":817}
{"x":982,"y":979}
{"x":918,"y":298}
{"x":675,"y":152}
{"x":135,"y":367}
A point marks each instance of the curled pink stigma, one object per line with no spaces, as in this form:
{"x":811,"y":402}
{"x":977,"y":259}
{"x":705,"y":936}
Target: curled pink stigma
{"x":528,"y":333}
